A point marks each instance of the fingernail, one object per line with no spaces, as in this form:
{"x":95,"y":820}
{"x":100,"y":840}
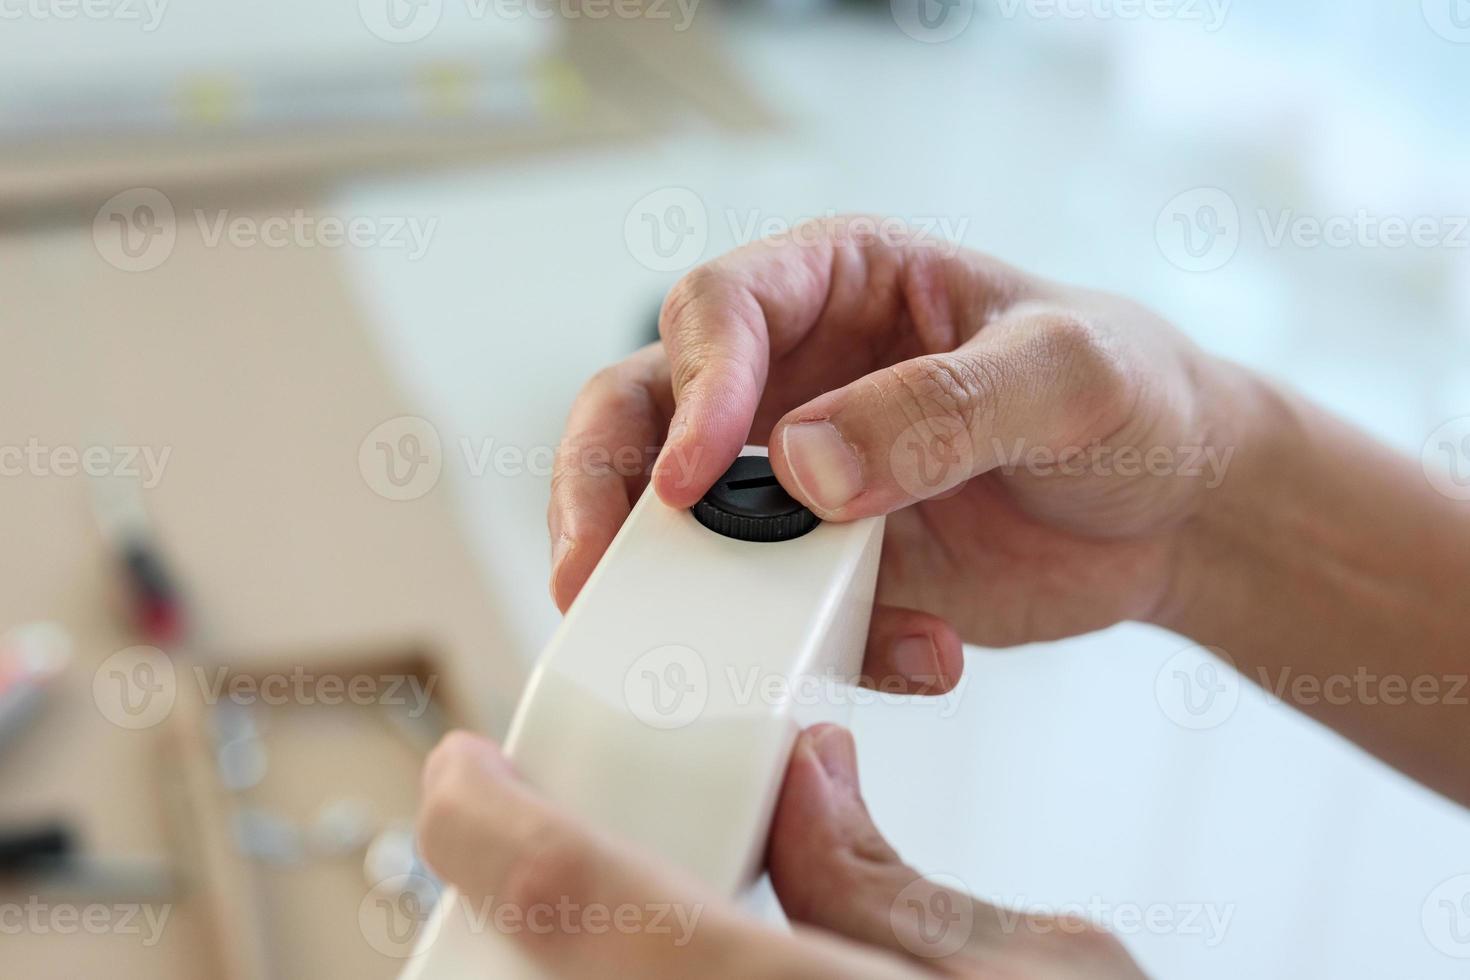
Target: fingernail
{"x":677,"y":428}
{"x":559,"y":549}
{"x":826,"y":469}
{"x":834,"y":749}
{"x":917,"y":659}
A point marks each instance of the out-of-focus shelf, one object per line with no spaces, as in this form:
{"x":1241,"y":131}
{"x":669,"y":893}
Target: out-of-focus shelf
{"x":600,"y":82}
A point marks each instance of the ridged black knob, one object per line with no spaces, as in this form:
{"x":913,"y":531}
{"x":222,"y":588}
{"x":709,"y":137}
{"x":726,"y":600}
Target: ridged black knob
{"x":749,"y":505}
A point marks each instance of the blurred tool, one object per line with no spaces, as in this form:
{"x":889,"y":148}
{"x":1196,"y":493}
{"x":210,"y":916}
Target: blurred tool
{"x":47,"y":857}
{"x":156,"y":607}
{"x":21,"y":849}
{"x":31,"y":658}
{"x":154,"y":603}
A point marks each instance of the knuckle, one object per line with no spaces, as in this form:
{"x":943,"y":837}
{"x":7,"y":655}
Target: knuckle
{"x":699,"y":310}
{"x":1066,"y":333}
{"x":1078,"y":345}
{"x":1093,"y":376}
{"x":828,"y":230}
{"x":685,"y":296}
{"x":855,"y":227}
{"x":943,"y":387}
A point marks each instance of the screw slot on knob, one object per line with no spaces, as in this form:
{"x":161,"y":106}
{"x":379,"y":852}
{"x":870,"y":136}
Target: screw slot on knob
{"x":748,"y":503}
{"x":751,"y":484}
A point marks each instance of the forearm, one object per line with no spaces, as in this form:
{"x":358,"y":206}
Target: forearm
{"x":1337,"y":578}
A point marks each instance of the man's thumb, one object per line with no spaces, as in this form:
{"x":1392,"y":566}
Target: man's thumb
{"x":922,"y":427}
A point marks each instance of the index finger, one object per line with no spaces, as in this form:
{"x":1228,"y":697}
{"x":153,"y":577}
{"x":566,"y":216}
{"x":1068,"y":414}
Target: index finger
{"x":854,"y":277}
{"x":718,"y":325}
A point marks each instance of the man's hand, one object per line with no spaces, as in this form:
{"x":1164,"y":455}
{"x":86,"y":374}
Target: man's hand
{"x":583,"y":901}
{"x":1053,"y":460}
{"x":1038,"y":447}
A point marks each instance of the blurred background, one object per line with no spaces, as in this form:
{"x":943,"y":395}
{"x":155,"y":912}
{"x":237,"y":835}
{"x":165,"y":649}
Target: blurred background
{"x":295,"y":296}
